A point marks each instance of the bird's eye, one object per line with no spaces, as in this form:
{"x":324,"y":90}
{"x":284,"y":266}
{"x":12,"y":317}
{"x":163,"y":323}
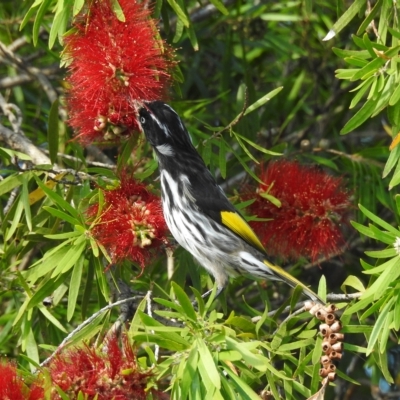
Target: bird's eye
{"x":142,"y":120}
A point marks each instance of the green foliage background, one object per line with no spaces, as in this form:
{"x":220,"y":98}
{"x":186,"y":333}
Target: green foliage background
{"x":335,"y":103}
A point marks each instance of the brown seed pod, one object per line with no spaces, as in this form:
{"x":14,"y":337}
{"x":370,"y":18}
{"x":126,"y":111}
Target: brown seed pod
{"x":335,"y":355}
{"x":326,"y":347}
{"x":337,"y":347}
{"x":336,"y":326}
{"x":330,"y":318}
{"x":325,"y":329}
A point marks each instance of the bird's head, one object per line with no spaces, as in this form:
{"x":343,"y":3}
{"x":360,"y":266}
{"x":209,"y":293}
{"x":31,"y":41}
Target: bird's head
{"x":163,"y":128}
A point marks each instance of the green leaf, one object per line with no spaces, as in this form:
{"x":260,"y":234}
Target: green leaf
{"x":276,"y":202}
{"x":78,"y":4}
{"x":208,"y":363}
{"x":38,"y":20}
{"x":118,"y":10}
{"x":353,"y":282}
{"x":384,"y":281}
{"x":395,"y":97}
{"x":15,"y":221}
{"x":63,"y":217}
{"x":393,"y":159}
{"x":74,"y":286}
{"x":220,"y":6}
{"x":51,"y":318}
{"x":372,"y":67}
{"x":245,"y":391}
{"x":184,"y":301}
{"x":180,"y":13}
{"x":255,"y":360}
{"x":345,"y":19}
{"x":379,"y":221}
{"x":387,"y":253}
{"x":361,"y":116}
{"x":59,"y":23}
{"x":363,"y":87}
{"x":57,"y":199}
{"x":256,"y":146}
{"x":378,"y":325}
{"x":69,"y":260}
{"x":261,"y":101}
{"x":27,"y":206}
{"x":222,"y":158}
{"x":370,"y":16}
{"x":53,"y":131}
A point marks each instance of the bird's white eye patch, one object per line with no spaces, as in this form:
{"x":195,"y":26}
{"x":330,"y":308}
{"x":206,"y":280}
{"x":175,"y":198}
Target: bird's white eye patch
{"x":165,"y":149}
{"x":142,"y":120}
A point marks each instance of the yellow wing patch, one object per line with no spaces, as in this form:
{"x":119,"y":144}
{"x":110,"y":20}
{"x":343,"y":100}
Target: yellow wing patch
{"x":238,"y":225}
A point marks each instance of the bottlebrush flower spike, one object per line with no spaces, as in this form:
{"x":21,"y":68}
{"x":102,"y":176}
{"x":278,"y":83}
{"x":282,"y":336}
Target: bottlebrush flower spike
{"x":12,"y":386}
{"x":131,"y":223}
{"x":112,"y":65}
{"x":109,"y":373}
{"x":313,"y":207}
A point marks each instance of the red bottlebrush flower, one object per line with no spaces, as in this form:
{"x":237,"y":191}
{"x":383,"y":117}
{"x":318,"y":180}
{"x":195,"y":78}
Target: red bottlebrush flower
{"x":131,"y":222}
{"x":12,"y":386}
{"x":109,"y":373}
{"x":112,"y":65}
{"x":313,"y":206}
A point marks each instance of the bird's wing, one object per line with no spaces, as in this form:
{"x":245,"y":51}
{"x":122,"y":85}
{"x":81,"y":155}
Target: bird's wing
{"x":214,"y":203}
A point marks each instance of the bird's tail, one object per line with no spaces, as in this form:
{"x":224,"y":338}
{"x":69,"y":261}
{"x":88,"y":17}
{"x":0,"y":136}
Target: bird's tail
{"x":279,"y":273}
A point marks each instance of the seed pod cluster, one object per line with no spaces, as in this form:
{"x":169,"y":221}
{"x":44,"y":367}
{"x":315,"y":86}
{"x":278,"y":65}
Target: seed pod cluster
{"x":332,"y":344}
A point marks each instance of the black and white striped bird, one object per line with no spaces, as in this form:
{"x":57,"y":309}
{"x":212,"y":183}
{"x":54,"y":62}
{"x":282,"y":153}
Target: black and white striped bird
{"x":197,"y":211}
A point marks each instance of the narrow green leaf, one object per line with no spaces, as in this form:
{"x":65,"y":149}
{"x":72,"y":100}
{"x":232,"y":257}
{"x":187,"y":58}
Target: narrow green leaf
{"x":62,"y":216}
{"x":372,"y":67}
{"x":345,"y":19}
{"x":244,"y":147}
{"x":184,"y":301}
{"x":222,"y":158}
{"x":30,"y":12}
{"x":261,"y":101}
{"x":179,"y":12}
{"x":11,"y":182}
{"x":74,"y":286}
{"x":387,"y":253}
{"x":57,"y":199}
{"x":53,"y":131}
{"x":245,"y":391}
{"x":38,"y":20}
{"x":393,"y":159}
{"x":25,"y":201}
{"x":395,"y":97}
{"x":78,"y":4}
{"x":362,"y":89}
{"x":256,"y":360}
{"x":353,"y":282}
{"x":276,"y":202}
{"x":370,"y":16}
{"x":220,"y":6}
{"x":379,"y":221}
{"x":209,"y":364}
{"x":51,"y":318}
{"x":118,"y":10}
{"x":31,"y":349}
{"x":15,"y":222}
{"x":361,"y":116}
{"x":245,"y":166}
{"x":378,"y":325}
{"x":69,"y":260}
{"x":384,"y":281}
{"x":256,"y":146}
